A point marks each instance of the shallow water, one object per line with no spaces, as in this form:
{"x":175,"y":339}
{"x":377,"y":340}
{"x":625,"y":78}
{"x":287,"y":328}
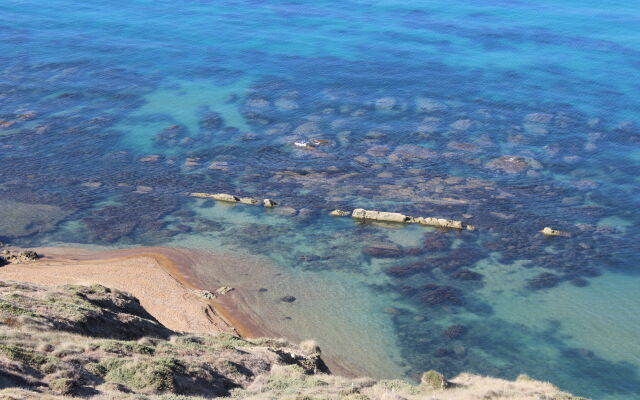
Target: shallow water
{"x":110,"y":114}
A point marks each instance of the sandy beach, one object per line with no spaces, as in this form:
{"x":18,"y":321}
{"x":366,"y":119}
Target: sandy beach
{"x":167,"y":281}
{"x":153,"y":275}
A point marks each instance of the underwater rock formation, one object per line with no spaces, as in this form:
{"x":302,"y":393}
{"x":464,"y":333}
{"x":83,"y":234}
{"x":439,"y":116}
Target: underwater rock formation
{"x":513,"y":164}
{"x":543,"y":281}
{"x":383,"y":250}
{"x":436,"y":295}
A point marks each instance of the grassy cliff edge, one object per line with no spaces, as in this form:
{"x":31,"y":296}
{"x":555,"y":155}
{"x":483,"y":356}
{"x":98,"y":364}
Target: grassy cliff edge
{"x":92,"y":341}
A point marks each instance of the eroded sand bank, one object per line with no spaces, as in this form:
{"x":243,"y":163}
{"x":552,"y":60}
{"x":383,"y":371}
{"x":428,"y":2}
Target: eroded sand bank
{"x":153,"y":275}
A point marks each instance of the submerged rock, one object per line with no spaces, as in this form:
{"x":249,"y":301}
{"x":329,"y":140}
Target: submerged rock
{"x":383,"y":250}
{"x":286,"y":211}
{"x":466,"y":275}
{"x":455,"y":331}
{"x":288,"y":299}
{"x":435,"y":295}
{"x":22,"y":219}
{"x":404,"y":271}
{"x":543,"y":281}
{"x":211,"y":121}
{"x":436,"y":241}
{"x":513,"y":164}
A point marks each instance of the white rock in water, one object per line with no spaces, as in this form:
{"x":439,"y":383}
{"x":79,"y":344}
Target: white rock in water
{"x":249,"y":200}
{"x":269,"y":203}
{"x":339,"y":213}
{"x":553,"y":232}
{"x":360,"y":213}
{"x":441,"y":223}
{"x":218,"y":196}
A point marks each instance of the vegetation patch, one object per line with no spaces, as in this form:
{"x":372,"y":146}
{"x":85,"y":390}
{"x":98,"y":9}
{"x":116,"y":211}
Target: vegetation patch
{"x":23,"y":355}
{"x":153,"y":374}
{"x":124,"y":347}
{"x":229,"y":340}
{"x":8,"y":308}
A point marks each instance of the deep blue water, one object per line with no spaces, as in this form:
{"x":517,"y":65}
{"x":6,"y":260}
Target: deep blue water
{"x":417,"y":102}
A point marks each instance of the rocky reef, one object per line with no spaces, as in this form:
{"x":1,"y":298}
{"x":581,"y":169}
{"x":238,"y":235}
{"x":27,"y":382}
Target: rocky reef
{"x":95,"y":342}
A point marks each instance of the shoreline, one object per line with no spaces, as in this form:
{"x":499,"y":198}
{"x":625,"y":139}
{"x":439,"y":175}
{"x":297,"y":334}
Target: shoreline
{"x":161,"y":264}
{"x":171,"y":269}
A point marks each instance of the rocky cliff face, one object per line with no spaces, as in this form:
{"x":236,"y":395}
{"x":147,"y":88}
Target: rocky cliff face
{"x":92,"y":341}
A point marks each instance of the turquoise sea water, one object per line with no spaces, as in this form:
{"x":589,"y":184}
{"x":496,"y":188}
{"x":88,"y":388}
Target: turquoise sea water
{"x":417,"y":102}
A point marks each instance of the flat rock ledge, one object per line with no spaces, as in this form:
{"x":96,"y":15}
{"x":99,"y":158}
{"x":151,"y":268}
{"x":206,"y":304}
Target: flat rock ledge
{"x":383,"y":216}
{"x":230,"y":198}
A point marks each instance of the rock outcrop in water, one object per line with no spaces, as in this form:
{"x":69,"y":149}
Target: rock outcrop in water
{"x":218,"y":196}
{"x":553,"y":232}
{"x":383,"y":216}
{"x":339,"y":213}
{"x":100,"y":343}
{"x":513,"y":164}
{"x":360,"y":213}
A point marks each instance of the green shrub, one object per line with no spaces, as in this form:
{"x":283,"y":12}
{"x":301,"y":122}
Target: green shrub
{"x":96,"y":369}
{"x":29,"y":357}
{"x":434,"y":380}
{"x":8,"y":308}
{"x":155,"y":374}
{"x":123,"y":347}
{"x":62,"y":385}
{"x":229,"y":340}
{"x":269,"y":342}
